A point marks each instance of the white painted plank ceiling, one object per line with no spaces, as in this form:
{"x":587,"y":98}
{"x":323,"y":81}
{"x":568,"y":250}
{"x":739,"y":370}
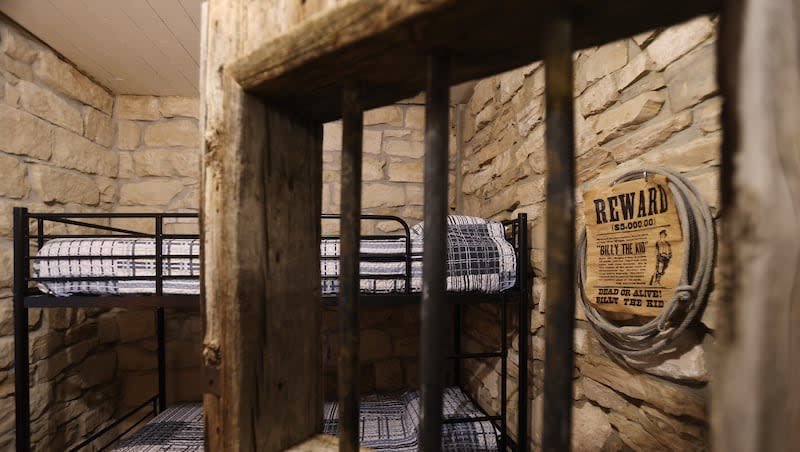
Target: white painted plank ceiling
{"x":129,"y":46}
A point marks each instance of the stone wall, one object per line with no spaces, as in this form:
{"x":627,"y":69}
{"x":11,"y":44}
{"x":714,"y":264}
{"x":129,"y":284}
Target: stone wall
{"x":68,"y":145}
{"x":392,"y":175}
{"x":648,"y":101}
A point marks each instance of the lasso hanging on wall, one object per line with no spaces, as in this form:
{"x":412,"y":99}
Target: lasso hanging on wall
{"x":650,"y":240}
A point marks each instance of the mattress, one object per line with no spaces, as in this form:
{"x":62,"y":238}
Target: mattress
{"x":178,"y":428}
{"x":387,"y":423}
{"x":479,"y":259}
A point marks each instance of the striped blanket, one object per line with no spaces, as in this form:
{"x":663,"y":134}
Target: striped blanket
{"x":479,"y":259}
{"x":387,"y":423}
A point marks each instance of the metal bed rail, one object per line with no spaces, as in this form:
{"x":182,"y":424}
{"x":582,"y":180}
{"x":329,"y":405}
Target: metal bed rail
{"x":26,"y":297}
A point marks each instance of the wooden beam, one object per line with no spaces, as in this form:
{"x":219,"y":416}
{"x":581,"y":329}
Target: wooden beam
{"x":559,"y":322}
{"x":384,"y":43}
{"x":756,"y":390}
{"x":261,"y":206}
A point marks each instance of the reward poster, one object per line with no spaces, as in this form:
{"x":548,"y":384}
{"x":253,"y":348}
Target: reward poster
{"x":634,"y":246}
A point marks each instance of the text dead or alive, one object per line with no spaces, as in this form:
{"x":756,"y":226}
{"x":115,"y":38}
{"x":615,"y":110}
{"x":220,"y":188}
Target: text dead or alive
{"x":629,"y":297}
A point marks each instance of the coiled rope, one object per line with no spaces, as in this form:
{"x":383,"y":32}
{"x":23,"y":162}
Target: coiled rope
{"x":699,"y":243}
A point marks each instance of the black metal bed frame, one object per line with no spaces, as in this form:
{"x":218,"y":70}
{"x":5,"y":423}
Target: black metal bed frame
{"x":26,"y":297}
{"x":517,"y":235}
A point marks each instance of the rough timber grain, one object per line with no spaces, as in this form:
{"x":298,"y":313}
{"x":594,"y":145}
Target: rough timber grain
{"x":261,"y":289}
{"x":756,"y":390}
{"x":383,"y":43}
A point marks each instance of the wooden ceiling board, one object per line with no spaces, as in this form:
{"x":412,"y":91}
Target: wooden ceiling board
{"x":147,"y":47}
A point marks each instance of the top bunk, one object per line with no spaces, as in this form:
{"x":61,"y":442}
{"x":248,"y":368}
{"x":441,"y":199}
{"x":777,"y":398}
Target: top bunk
{"x":150,"y":260}
{"x":383,"y":44}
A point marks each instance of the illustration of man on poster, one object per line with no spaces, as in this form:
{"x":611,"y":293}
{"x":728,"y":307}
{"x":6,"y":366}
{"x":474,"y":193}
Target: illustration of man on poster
{"x":663,"y":256}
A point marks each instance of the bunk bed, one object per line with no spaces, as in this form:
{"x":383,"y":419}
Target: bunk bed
{"x":89,"y":263}
{"x":117,"y":267}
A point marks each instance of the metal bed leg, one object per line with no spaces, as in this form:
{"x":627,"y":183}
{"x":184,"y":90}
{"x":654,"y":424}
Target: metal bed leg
{"x":21,"y":364}
{"x":434,"y":260}
{"x":349,"y":287}
{"x":162,"y":360}
{"x":504,"y":374}
{"x":560,"y":309}
{"x":524,"y":333}
{"x":457,"y":343}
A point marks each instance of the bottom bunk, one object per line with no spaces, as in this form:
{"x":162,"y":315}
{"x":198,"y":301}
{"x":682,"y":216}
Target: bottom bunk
{"x":387,"y":423}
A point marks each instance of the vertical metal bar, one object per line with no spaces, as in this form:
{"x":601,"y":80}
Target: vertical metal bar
{"x":503,"y":373}
{"x":349,"y":284}
{"x":457,"y":343}
{"x":560,"y":308}
{"x":524,"y":331}
{"x":39,"y":233}
{"x":160,"y":334}
{"x":434,"y":257}
{"x":21,"y":364}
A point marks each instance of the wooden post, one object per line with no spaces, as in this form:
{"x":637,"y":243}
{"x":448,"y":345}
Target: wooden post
{"x":349,"y":260}
{"x":560,"y":308}
{"x":434,"y":258}
{"x":262,"y":175}
{"x":756,"y":389}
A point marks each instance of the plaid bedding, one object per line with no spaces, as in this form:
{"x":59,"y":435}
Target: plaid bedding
{"x":391,"y":423}
{"x":479,"y":259}
{"x":387,"y":423}
{"x":178,"y":428}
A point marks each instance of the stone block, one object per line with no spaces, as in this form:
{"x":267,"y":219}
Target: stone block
{"x":372,"y":141}
{"x":11,"y":95}
{"x":107,"y":187}
{"x":64,"y":78}
{"x":704,"y":151}
{"x":171,"y":106}
{"x":391,"y":115}
{"x":601,"y":63}
{"x":406,"y":171}
{"x":76,"y":152}
{"x":372,"y":168}
{"x":415,"y":118}
{"x":98,"y":369}
{"x":528,"y":112}
{"x":649,"y":136}
{"x":83,"y":331}
{"x":132,"y":357}
{"x":107,"y":328}
{"x":16,"y":68}
{"x":510,"y":83}
{"x":97,"y":126}
{"x":643,"y":39}
{"x":153,"y":192}
{"x":173,"y":132}
{"x":388,"y":375}
{"x":671,"y":397}
{"x":15,"y":46}
{"x":129,"y":135}
{"x":374,"y":345}
{"x":678,"y":40}
{"x":485,"y":116}
{"x":590,"y":428}
{"x":56,"y":185}
{"x":620,"y":119}
{"x":482,"y":93}
{"x":638,"y":67}
{"x":50,"y":107}
{"x":692,"y":79}
{"x":709,"y":117}
{"x":332,"y":136}
{"x":144,"y":108}
{"x":136,"y":325}
{"x":14,"y":183}
{"x":167,"y":162}
{"x":404,"y":148}
{"x":598,"y":96}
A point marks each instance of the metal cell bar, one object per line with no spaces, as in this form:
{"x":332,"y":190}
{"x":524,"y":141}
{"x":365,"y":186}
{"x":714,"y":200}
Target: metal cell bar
{"x":434,"y":266}
{"x":457,"y":356}
{"x":523,"y":261}
{"x":21,"y":364}
{"x":503,"y":374}
{"x":560,"y":213}
{"x":160,"y":333}
{"x":349,"y":287}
